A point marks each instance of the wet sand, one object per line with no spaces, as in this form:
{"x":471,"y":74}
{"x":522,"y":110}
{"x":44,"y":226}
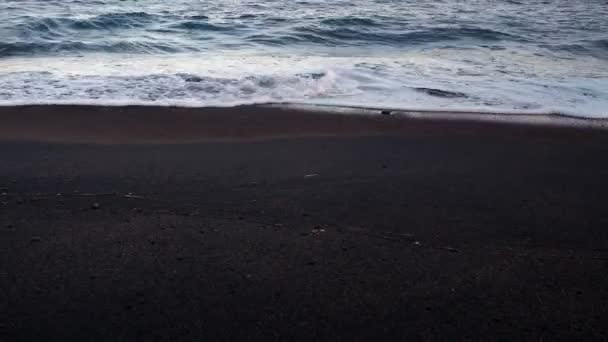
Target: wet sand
{"x":268,"y":224}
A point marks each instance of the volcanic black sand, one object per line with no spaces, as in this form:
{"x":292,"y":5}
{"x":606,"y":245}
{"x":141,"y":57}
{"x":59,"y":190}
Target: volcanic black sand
{"x":253,"y":223}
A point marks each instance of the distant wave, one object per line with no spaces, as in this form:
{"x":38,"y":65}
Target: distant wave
{"x":108,"y":21}
{"x":114,"y":20}
{"x":24,"y":49}
{"x":109,"y":32}
{"x":50,"y":27}
{"x":55,"y":35}
{"x":593,"y":47}
{"x":350,"y":21}
{"x":349,"y":35}
{"x":201,"y":26}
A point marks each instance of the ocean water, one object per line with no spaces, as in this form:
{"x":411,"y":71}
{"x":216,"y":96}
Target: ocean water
{"x":529,"y":56}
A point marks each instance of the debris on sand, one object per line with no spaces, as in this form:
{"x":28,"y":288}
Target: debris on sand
{"x":318,"y":230}
{"x":130,"y":195}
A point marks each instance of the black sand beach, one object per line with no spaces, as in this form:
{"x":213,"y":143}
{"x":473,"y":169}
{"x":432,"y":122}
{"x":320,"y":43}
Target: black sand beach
{"x":253,"y":223}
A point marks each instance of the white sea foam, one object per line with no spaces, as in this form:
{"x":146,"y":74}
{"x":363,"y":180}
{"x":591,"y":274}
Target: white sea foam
{"x":504,"y":81}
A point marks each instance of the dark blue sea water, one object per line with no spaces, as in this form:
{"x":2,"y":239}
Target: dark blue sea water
{"x":507,"y":56}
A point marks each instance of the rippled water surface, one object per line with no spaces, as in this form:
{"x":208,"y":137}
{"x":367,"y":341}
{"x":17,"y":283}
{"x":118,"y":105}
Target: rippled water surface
{"x":508,"y":56}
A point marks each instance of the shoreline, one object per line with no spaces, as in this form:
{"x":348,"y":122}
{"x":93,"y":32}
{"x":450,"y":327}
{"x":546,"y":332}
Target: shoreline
{"x":154,"y":124}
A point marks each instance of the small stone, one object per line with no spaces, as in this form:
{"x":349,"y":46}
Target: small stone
{"x":386,"y":112}
{"x":95,"y":206}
